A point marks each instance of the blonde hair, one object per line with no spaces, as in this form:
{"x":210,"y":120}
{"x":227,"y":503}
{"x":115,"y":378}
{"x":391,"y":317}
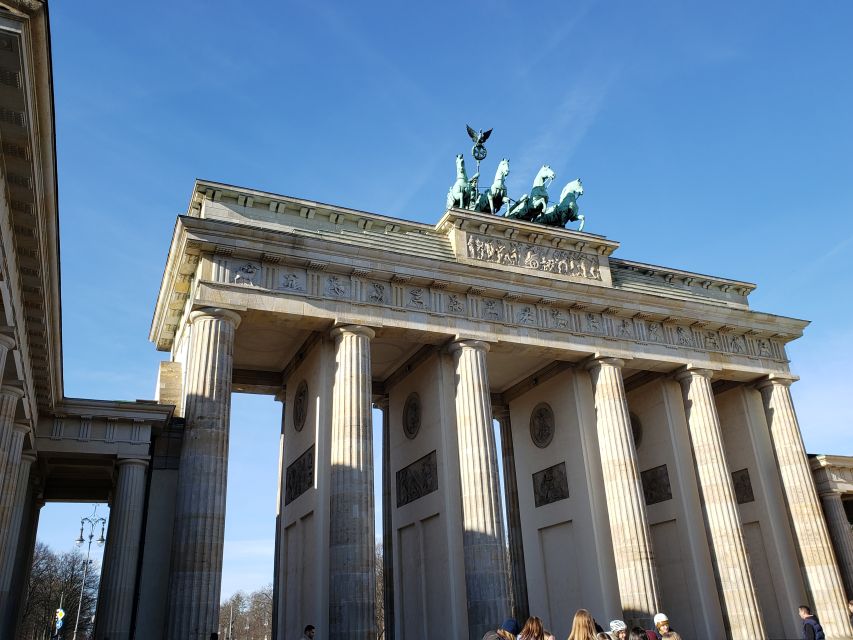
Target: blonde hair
{"x":506,"y":635}
{"x":532,"y":630}
{"x":671,"y":635}
{"x":583,"y":627}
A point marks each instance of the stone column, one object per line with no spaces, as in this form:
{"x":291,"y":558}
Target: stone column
{"x":719,"y":508}
{"x":11,"y":441}
{"x":7,"y":344}
{"x":7,"y":569}
{"x":9,"y":486}
{"x":518,"y":572}
{"x":841,"y":536}
{"x":486,"y":573}
{"x":121,"y":557}
{"x":387,"y":524}
{"x":626,"y":509}
{"x":197,"y":542}
{"x":351,"y":537}
{"x":823,"y":581}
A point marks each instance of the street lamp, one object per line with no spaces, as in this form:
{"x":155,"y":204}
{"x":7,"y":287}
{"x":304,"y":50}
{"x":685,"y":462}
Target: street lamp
{"x":93,"y":522}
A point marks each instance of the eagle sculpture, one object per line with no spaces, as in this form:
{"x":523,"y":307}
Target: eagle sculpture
{"x":478,"y":137}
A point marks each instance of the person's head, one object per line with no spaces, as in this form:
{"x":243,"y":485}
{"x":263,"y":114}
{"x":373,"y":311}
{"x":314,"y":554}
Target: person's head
{"x":671,"y":635}
{"x":533,"y":629}
{"x":805,"y":611}
{"x":548,"y":635}
{"x":618,"y":629}
{"x":509,"y":626}
{"x":661,"y":623}
{"x":309,"y":631}
{"x":850,"y":605}
{"x":603,"y":636}
{"x":583,"y":628}
{"x":503,"y":634}
{"x":638,"y":633}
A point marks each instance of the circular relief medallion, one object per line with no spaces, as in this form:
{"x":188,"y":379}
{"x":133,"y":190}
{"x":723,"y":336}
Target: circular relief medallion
{"x":300,"y":406}
{"x":542,"y":425}
{"x":412,"y":416}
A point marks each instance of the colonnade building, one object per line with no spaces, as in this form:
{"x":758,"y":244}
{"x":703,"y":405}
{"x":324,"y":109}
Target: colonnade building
{"x":650,"y":454}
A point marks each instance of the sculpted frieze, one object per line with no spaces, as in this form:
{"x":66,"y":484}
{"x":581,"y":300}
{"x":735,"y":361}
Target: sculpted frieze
{"x":547,"y":314}
{"x":534,"y":257}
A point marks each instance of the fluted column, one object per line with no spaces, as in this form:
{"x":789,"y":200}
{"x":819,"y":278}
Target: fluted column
{"x":823,"y":581}
{"x":841,"y":535}
{"x":486,"y":571}
{"x":351,"y":537}
{"x":121,"y":557}
{"x":11,"y":439}
{"x":9,"y":486}
{"x":518,"y":572}
{"x":199,"y":530}
{"x":387,"y":524}
{"x":7,"y":344}
{"x":7,"y":569}
{"x":626,"y":509}
{"x":719,"y":508}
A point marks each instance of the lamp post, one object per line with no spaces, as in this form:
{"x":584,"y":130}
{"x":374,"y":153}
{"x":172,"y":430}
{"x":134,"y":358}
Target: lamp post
{"x":93,"y":521}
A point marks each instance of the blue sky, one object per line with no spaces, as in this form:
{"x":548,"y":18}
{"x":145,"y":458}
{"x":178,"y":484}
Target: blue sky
{"x":713,"y":137}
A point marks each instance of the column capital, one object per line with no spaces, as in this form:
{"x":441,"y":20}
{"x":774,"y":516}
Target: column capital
{"x":465,"y":343}
{"x":120,"y":462}
{"x":21,"y":427}
{"x":598,"y":360}
{"x":777,"y":380}
{"x":689,"y":373}
{"x":13,"y":391}
{"x":29,"y":456}
{"x":355,"y":329}
{"x":7,"y":341}
{"x":216,"y":312}
{"x":381,"y":402}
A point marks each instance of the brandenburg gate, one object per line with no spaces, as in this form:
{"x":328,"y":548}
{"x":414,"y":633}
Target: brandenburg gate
{"x":650,"y":458}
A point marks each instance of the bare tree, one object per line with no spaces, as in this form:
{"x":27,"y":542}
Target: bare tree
{"x":55,"y":578}
{"x":380,"y":592}
{"x":247,"y":616}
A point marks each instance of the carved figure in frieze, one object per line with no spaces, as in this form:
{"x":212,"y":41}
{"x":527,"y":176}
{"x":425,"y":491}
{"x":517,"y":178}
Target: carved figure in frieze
{"x":593,"y":323}
{"x":377,"y":292}
{"x":682,"y":334}
{"x":654,"y":331}
{"x":737,"y":344}
{"x":711,"y":341}
{"x":764,"y":348}
{"x":512,"y":257}
{"x":291,"y":281}
{"x":525,"y":316}
{"x":626,"y":328}
{"x":246,"y":274}
{"x":416,"y":298}
{"x":532,"y":258}
{"x":490,"y":309}
{"x":335,"y":287}
{"x":559,"y":319}
{"x":453,"y":304}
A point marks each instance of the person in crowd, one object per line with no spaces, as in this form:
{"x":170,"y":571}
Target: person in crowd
{"x":638,"y":633}
{"x":603,"y":636}
{"x":811,"y":625}
{"x":618,"y":630}
{"x":671,"y":635}
{"x":533,"y":630}
{"x":661,"y":625}
{"x":308,"y":632}
{"x":583,"y":627}
{"x":492,"y":635}
{"x":509,"y":629}
{"x":549,"y":635}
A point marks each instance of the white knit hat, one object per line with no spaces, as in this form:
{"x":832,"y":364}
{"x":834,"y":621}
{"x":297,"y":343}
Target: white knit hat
{"x":660,"y":618}
{"x":618,"y":625}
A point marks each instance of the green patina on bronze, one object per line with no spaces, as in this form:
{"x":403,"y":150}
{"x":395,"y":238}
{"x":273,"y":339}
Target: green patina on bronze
{"x":531,"y":207}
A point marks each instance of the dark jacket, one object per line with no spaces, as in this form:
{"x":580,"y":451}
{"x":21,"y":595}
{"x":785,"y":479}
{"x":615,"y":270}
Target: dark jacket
{"x":812,"y":629}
